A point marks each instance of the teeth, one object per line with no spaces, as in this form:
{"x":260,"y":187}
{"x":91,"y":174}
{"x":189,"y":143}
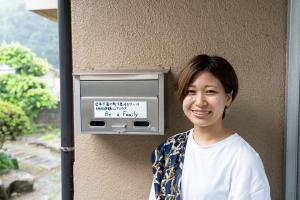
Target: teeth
{"x":197,"y":112}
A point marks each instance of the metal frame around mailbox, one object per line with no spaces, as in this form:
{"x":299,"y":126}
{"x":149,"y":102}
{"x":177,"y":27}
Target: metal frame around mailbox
{"x":77,"y":77}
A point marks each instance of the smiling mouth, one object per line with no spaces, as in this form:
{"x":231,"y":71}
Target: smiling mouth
{"x":201,"y":113}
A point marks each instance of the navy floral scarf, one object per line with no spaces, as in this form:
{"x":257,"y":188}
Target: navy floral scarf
{"x":167,"y":163}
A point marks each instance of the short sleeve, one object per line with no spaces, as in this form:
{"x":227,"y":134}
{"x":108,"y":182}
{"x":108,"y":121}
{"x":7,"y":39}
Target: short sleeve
{"x":248,"y":179}
{"x":152,"y":192}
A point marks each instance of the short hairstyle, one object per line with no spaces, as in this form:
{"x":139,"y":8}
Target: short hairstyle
{"x":216,"y":65}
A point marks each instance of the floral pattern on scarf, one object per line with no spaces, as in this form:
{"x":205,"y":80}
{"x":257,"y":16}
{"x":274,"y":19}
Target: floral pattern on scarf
{"x":167,"y":163}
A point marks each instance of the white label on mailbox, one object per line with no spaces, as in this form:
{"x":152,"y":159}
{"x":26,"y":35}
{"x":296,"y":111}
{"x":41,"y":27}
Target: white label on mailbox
{"x":120,"y":109}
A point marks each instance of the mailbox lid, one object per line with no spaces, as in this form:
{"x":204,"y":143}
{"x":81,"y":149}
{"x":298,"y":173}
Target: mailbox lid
{"x":120,"y":88}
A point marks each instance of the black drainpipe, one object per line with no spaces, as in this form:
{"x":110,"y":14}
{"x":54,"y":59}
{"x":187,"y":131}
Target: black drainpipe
{"x":66,"y":99}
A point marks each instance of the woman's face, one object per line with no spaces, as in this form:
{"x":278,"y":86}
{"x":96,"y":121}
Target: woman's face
{"x":205,"y":100}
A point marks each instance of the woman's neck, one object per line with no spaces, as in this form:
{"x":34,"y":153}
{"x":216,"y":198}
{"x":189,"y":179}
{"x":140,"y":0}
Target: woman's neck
{"x":210,"y":135}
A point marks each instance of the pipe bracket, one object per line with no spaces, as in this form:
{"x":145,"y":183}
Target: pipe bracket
{"x":67,"y":149}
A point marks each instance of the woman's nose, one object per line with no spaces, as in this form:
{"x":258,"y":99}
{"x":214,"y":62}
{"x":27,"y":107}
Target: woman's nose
{"x":200,"y":100}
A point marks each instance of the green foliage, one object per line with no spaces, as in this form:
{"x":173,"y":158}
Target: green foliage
{"x":16,"y":56}
{"x":28,"y":92}
{"x":13,"y":122}
{"x":39,"y":67}
{"x":23,"y":60}
{"x":48,"y":137}
{"x":36,"y":99}
{"x":44,"y":129}
{"x":6,"y":162}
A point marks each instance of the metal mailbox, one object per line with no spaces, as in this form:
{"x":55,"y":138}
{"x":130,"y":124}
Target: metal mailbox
{"x":119,"y":103}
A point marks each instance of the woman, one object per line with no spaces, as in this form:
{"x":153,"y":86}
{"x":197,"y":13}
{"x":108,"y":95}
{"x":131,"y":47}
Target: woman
{"x":209,"y":161}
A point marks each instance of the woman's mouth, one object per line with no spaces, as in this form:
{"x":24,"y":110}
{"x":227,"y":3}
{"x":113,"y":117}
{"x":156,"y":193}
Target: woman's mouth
{"x":201,"y":113}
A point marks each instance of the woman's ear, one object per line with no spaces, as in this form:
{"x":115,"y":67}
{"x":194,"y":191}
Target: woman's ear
{"x":228,"y":99}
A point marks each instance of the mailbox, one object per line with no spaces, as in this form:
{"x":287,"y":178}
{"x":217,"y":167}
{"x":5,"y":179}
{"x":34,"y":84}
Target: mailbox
{"x":119,"y":103}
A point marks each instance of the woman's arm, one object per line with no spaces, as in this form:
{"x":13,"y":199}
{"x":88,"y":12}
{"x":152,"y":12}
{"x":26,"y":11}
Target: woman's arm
{"x":249,"y":180}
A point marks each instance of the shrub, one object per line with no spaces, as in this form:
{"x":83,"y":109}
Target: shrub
{"x":23,"y":60}
{"x":36,"y":99}
{"x":6,"y":162}
{"x":28,"y":92}
{"x":13,"y":122}
{"x":39,"y":67}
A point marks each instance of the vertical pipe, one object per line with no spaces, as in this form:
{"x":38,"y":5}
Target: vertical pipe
{"x":66,"y":98}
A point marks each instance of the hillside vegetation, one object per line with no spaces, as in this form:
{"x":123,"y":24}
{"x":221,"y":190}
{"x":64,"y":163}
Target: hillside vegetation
{"x":31,"y":30}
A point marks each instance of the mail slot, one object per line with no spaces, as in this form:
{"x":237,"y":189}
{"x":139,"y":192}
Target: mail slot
{"x":119,"y":103}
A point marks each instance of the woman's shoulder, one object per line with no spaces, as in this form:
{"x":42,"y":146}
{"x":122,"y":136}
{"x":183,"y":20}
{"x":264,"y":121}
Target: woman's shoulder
{"x":244,"y":152}
{"x":248,"y":173}
{"x":243,"y":146}
{"x":172,"y":147}
{"x":179,"y":137}
{"x":174,"y":140}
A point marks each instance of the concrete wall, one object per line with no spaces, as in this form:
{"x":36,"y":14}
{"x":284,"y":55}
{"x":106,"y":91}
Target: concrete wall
{"x":151,"y":34}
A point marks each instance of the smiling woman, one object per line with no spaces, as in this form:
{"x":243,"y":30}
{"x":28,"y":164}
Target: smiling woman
{"x":204,"y":105}
{"x":208,"y":161}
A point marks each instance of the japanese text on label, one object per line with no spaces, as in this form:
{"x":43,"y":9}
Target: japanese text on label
{"x":120,"y":109}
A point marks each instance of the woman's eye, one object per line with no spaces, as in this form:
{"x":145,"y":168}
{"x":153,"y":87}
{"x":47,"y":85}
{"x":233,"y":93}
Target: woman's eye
{"x":211,"y":92}
{"x":190,"y":92}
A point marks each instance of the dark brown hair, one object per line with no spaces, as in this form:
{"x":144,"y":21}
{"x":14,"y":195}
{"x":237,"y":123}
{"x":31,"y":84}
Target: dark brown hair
{"x":216,"y":65}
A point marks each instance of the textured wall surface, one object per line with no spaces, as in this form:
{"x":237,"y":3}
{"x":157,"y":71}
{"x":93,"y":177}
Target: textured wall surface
{"x":152,"y":34}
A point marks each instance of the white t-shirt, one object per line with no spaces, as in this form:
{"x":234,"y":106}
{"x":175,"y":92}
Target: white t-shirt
{"x":227,"y":170}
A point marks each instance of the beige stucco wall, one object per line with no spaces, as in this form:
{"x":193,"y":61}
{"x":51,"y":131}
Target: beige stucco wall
{"x":155,"y":34}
